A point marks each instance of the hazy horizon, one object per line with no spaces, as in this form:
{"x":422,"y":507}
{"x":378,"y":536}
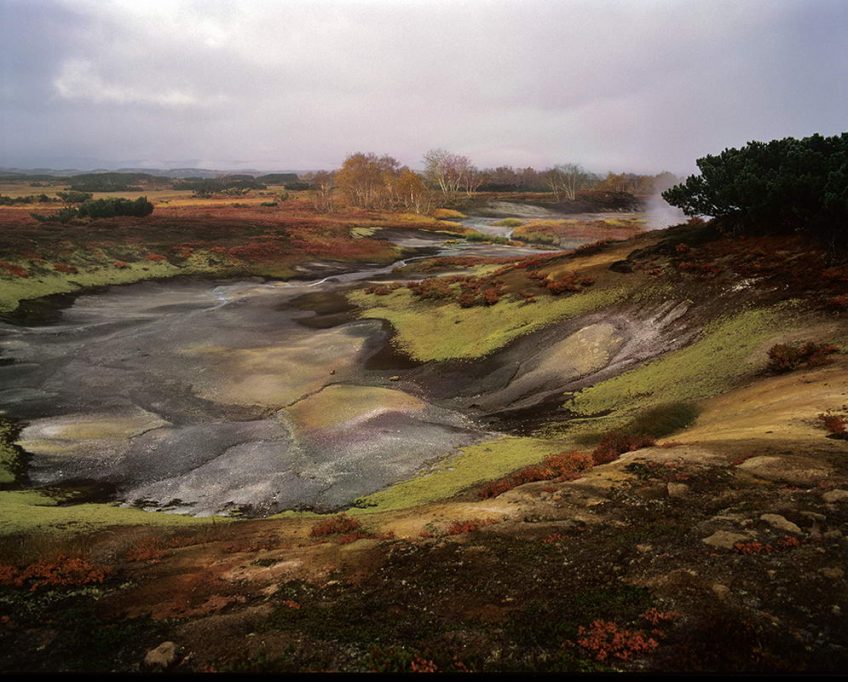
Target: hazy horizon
{"x":261,"y":85}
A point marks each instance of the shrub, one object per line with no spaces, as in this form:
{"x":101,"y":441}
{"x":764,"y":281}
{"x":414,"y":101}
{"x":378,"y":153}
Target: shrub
{"x":568,"y":282}
{"x":14,"y":270}
{"x":785,"y":357}
{"x":63,"y":571}
{"x":604,"y":639}
{"x":617,"y":443}
{"x":335,"y":525}
{"x":835,"y":424}
{"x":565,"y":466}
{"x":109,"y":208}
{"x":468,"y":525}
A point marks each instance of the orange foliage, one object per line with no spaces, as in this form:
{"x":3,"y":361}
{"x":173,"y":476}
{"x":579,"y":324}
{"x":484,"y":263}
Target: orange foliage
{"x":784,"y":357}
{"x":469,"y":525}
{"x":834,"y":423}
{"x":562,"y":467}
{"x":336,"y":525}
{"x":63,"y":571}
{"x":617,"y":443}
{"x":604,"y":638}
{"x":15,"y":270}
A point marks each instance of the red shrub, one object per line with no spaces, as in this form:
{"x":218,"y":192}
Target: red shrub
{"x":120,"y":264}
{"x":616,"y":443}
{"x":15,"y":270}
{"x":63,"y":267}
{"x":567,"y":282}
{"x":63,"y":571}
{"x":335,"y":525}
{"x":468,"y":526}
{"x":156,"y":257}
{"x":422,"y":665}
{"x":785,"y":357}
{"x":604,"y":638}
{"x":834,"y":423}
{"x":565,"y":466}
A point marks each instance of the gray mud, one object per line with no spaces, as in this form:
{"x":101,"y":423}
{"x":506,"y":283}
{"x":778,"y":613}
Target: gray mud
{"x":203,"y":396}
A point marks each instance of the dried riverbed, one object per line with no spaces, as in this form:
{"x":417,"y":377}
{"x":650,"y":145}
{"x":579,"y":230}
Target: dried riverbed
{"x":205,"y":397}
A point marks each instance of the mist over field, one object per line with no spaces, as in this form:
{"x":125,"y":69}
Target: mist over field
{"x":638,"y":86}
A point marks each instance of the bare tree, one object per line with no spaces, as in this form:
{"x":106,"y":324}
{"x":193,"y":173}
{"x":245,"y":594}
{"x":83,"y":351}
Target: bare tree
{"x":472,"y":179}
{"x":323,"y":184}
{"x":565,"y":179}
{"x":446,"y":171}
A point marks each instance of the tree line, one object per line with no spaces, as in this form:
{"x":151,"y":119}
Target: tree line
{"x":367,"y":180}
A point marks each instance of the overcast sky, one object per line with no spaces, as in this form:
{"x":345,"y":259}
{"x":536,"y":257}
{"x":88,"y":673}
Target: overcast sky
{"x":299,"y":84}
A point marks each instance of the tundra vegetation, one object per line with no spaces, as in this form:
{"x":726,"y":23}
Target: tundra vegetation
{"x":658,"y":480}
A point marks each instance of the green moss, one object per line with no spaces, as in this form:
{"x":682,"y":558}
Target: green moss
{"x":509,"y":222}
{"x":432,"y":331}
{"x":474,"y":464}
{"x":25,"y":511}
{"x":362,"y":232}
{"x":711,"y":365}
{"x":12,"y":291}
{"x":10,"y":454}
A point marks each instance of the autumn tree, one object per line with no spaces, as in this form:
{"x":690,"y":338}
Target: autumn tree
{"x":413,"y":193}
{"x":360,"y":179}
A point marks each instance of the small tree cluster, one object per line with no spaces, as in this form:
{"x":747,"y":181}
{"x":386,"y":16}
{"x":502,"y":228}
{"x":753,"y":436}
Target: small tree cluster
{"x":100,"y":208}
{"x":772,"y":187}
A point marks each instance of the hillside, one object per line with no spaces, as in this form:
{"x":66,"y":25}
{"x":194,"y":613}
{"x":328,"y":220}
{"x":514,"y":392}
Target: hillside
{"x":663,"y":485}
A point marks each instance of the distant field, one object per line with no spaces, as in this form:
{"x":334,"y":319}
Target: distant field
{"x":157,"y":196}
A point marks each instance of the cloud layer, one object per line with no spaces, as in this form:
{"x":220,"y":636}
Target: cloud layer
{"x":268,"y":84}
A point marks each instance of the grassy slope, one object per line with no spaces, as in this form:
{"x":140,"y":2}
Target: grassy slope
{"x":723,"y":354}
{"x":475,"y":464}
{"x":27,"y":511}
{"x":445,"y":331}
{"x":12,"y":291}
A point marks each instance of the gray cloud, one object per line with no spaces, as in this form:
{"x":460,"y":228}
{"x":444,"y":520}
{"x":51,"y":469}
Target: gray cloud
{"x":299,"y":84}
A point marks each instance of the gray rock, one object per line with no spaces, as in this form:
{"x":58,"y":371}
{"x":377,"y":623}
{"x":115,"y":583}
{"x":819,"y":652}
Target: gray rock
{"x":781,"y":523}
{"x":162,"y":657}
{"x":725,"y":539}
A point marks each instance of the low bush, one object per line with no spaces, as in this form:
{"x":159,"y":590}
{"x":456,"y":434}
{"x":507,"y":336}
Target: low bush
{"x":835,"y":424}
{"x":63,"y":571}
{"x":335,"y":525}
{"x":565,"y":466}
{"x":616,"y":443}
{"x":785,"y":357}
